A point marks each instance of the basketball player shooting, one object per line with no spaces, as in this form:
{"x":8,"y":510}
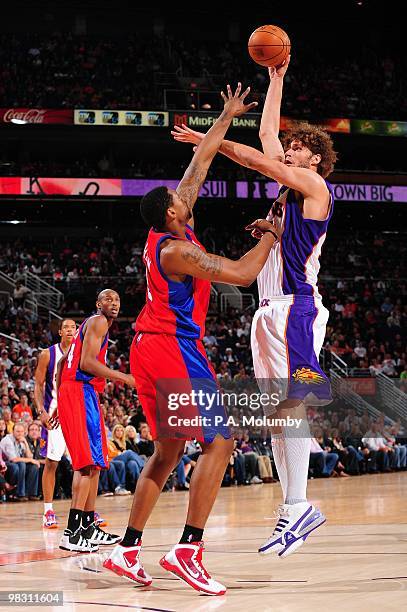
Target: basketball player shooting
{"x":168,"y":346}
{"x":288,"y":329}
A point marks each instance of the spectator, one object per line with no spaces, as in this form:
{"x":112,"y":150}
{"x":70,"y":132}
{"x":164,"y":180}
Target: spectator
{"x":22,"y":409}
{"x":321,"y":461}
{"x":117,"y":452}
{"x":24,"y":469}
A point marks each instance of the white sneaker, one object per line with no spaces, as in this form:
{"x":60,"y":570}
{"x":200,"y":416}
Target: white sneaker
{"x":121,"y":491}
{"x":75,"y":542}
{"x":125,"y":561}
{"x":295,"y":523}
{"x":256,"y":480}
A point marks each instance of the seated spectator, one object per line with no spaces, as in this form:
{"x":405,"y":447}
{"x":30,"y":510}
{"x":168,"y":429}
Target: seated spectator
{"x":130,"y":435}
{"x":22,"y":409}
{"x":251,"y":460}
{"x":24,"y":469}
{"x":322,"y":462}
{"x":377,"y":444}
{"x":145,"y":443}
{"x":3,"y":429}
{"x":133,"y":462}
{"x":182,"y":470}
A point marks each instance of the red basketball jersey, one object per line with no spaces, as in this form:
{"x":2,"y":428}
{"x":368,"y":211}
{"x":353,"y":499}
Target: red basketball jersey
{"x":72,"y":371}
{"x":175,"y":308}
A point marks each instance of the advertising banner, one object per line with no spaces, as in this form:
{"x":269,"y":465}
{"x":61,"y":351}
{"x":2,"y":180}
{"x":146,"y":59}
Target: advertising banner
{"x":121,"y":117}
{"x":246,"y":190}
{"x":36,"y":115}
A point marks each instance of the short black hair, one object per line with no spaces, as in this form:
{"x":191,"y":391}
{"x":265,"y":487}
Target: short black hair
{"x":62,"y":321}
{"x":154,"y":206}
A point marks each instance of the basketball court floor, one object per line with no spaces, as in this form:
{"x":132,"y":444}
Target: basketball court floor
{"x":356,"y":561}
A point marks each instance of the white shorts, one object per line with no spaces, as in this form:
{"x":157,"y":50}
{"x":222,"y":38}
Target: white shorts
{"x":286,"y":339}
{"x":54,"y":445}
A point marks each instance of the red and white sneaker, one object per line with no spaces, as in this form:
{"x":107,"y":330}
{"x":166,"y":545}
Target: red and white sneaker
{"x":49,"y":520}
{"x":185,"y":562}
{"x":125,"y":561}
{"x":99,"y":520}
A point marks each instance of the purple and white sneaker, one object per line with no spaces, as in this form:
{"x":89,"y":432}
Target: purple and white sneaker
{"x":295,"y":523}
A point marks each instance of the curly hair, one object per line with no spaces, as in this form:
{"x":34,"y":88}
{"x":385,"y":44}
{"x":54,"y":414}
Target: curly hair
{"x":317,"y":140}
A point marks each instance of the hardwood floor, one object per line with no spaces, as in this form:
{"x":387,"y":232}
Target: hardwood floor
{"x":356,"y":561}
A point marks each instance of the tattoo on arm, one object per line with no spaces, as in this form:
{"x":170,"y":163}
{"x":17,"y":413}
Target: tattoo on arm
{"x":189,"y":187}
{"x":207,"y":263}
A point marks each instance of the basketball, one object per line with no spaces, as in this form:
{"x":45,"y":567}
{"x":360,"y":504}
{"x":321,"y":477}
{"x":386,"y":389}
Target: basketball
{"x":269,"y":46}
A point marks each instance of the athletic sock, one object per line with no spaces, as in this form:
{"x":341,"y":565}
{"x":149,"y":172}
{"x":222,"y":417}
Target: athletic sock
{"x":74,"y":520}
{"x":191,"y":534}
{"x":297,"y":449}
{"x":47,"y":507}
{"x":277,"y":444}
{"x":88,"y":518}
{"x":131,"y":537}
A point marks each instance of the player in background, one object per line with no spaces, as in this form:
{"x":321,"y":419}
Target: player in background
{"x":81,"y":375}
{"x":288,"y":329}
{"x":168,"y":345}
{"x":45,"y":394}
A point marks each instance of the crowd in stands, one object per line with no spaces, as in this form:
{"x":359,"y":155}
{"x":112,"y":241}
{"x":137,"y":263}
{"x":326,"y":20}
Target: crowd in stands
{"x":361,"y":284}
{"x":61,"y":70}
{"x":345,"y":443}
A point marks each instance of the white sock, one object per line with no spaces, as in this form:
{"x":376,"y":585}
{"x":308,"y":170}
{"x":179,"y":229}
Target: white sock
{"x":47,"y":507}
{"x":277,"y":444}
{"x":297,"y":450}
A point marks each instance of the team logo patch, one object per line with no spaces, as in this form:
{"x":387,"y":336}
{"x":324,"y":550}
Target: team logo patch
{"x":307,"y":376}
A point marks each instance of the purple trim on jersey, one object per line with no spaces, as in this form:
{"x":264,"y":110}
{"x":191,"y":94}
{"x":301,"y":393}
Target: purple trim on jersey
{"x":298,"y":241}
{"x":299,"y":338}
{"x":49,"y":378}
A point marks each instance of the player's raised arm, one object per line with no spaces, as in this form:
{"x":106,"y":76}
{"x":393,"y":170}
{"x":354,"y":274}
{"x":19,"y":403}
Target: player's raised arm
{"x":270,"y":119}
{"x":300,"y":179}
{"x":195,"y":174}
{"x":181,"y":257}
{"x":96,"y":330}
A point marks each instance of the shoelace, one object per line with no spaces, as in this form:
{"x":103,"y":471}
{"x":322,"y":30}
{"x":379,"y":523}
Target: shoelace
{"x":198,"y":558}
{"x":282,"y":522}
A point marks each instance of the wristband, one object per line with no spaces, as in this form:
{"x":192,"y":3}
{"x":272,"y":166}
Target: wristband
{"x":271,"y":232}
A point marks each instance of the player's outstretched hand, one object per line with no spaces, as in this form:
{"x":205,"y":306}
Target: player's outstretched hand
{"x":259,"y":226}
{"x":234,"y":102}
{"x":185,"y":134}
{"x":279,"y":71}
{"x":129,"y":380}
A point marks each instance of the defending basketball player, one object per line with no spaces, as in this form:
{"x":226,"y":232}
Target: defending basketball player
{"x":288,"y":329}
{"x":81,"y":376}
{"x":168,"y":345}
{"x":53,"y":444}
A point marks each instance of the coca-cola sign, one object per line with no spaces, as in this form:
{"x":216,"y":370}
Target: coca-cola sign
{"x":36,"y":115}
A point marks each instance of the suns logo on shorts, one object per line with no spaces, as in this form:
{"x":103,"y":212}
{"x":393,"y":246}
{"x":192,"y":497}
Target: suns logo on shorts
{"x":308,"y":376}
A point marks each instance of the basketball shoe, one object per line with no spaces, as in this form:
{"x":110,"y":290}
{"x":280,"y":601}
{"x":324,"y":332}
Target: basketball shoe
{"x":295,"y":523}
{"x":49,"y":520}
{"x":76,"y":542}
{"x":125,"y":561}
{"x":185,"y":562}
{"x":96,"y":535}
{"x":99,"y":520}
